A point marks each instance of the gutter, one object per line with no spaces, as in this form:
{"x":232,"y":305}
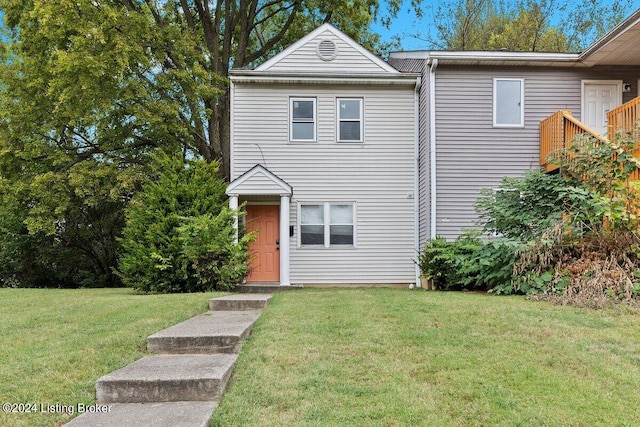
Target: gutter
{"x":416,"y":176}
{"x":402,"y":79}
{"x":494,"y":58}
{"x":433,"y":62}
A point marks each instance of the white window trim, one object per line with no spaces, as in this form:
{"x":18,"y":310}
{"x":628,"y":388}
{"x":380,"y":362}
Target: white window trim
{"x":327,"y":224}
{"x":315,"y":118}
{"x":495,"y":101}
{"x":338,"y":120}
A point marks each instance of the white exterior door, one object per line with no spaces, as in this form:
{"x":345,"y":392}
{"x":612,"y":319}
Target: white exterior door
{"x":598,"y":98}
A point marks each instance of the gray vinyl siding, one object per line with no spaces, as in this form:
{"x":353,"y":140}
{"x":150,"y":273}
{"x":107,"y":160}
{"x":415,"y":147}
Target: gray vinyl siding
{"x":471,"y":154}
{"x":304,"y":59}
{"x":377,"y":175}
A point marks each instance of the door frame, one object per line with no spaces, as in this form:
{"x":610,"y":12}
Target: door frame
{"x":276,"y":207}
{"x":583,"y":94}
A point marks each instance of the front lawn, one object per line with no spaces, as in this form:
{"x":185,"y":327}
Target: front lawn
{"x":55,"y":344}
{"x":384,"y":357}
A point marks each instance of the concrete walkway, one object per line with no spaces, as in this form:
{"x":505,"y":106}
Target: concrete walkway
{"x":182,"y":385}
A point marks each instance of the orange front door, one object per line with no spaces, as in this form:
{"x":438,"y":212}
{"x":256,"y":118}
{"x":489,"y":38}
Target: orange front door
{"x":265,"y":254}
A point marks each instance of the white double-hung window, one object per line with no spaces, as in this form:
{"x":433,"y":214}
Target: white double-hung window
{"x":508,"y":102}
{"x":302,"y":119}
{"x":350,"y":122}
{"x":327,"y":224}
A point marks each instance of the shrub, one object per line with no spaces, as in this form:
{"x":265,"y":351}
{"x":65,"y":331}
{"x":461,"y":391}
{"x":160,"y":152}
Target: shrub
{"x":437,"y":260}
{"x":469,"y":263}
{"x":490,"y":266}
{"x":208,"y":255}
{"x":522,"y":208}
{"x":179,"y":236}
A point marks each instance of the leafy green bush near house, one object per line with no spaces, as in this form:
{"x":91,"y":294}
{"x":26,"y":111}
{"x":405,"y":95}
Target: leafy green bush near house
{"x":470,"y":263}
{"x":522,"y":208}
{"x":179,"y":235}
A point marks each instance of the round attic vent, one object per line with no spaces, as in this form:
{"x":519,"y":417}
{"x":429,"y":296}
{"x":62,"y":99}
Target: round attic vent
{"x":326,"y":50}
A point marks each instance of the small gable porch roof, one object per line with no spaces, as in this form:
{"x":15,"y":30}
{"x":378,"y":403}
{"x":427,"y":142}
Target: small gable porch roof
{"x":258,"y":181}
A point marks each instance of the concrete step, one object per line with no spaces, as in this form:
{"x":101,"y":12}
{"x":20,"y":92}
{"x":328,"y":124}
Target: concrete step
{"x":168,"y":378}
{"x":166,"y":414}
{"x":214,"y":332}
{"x":240,"y":302}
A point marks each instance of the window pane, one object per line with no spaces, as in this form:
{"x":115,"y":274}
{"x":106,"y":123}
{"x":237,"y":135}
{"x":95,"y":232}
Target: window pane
{"x":303,"y":110}
{"x":349,"y":131}
{"x":508,"y":102}
{"x":350,"y":109}
{"x":312,"y":234}
{"x":341,"y":235}
{"x":341,"y":214}
{"x":312,"y":214}
{"x":302,"y":131}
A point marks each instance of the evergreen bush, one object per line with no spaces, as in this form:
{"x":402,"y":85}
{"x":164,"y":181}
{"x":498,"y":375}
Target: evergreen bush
{"x":179,"y":235}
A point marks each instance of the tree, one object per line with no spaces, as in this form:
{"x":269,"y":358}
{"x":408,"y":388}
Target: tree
{"x":523,"y":25}
{"x":79,"y":247}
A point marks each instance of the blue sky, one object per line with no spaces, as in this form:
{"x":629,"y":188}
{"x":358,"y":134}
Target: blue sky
{"x":407,"y":24}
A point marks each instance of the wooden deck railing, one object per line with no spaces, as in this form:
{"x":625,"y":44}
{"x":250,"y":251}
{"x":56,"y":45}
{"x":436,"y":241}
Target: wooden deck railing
{"x":558,"y":130}
{"x":624,"y":118}
{"x":556,"y":133}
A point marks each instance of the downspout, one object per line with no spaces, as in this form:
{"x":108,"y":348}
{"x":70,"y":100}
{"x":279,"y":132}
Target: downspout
{"x":416,"y":175}
{"x":432,"y":144}
{"x":232,"y":96}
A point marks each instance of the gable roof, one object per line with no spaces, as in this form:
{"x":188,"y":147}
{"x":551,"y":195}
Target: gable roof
{"x":619,"y":46}
{"x":259,"y":181}
{"x":308,"y":53}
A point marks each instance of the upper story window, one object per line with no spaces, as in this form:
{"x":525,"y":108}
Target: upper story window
{"x":350,"y":123}
{"x":327,"y":224}
{"x":508,"y":102}
{"x":303,"y":119}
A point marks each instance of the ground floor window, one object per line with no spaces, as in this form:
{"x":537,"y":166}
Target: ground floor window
{"x":327,"y":224}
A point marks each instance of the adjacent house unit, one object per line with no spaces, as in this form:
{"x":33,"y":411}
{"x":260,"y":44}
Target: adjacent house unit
{"x":348,"y":164}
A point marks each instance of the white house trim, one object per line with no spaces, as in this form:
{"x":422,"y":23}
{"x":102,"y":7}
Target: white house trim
{"x":284,"y":241}
{"x":278,"y":187}
{"x":408,"y":79}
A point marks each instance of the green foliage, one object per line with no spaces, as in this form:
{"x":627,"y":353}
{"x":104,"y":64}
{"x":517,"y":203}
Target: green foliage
{"x":524,"y":25}
{"x":469,"y":262}
{"x":523,"y":208}
{"x":178,"y":235}
{"x":60,"y":228}
{"x":208,"y":255}
{"x":438,"y":261}
{"x":490,"y":266}
{"x":604,"y":170}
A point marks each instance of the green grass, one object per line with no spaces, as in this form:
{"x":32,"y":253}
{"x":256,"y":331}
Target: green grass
{"x":383,"y":357}
{"x":55,"y":344}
